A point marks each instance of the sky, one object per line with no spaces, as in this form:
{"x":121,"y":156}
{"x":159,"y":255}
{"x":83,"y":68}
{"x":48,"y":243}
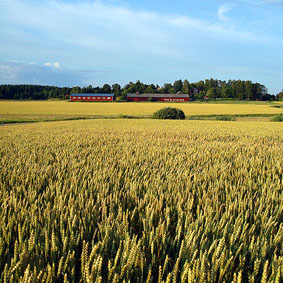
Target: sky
{"x":89,"y":42}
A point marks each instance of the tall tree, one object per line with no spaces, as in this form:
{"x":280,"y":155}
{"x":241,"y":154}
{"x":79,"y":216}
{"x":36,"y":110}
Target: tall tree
{"x":75,"y":89}
{"x":211,"y":93}
{"x":167,"y":87}
{"x":224,"y":90}
{"x":117,"y":89}
{"x":149,"y":89}
{"x":280,"y":95}
{"x":178,"y":85}
{"x":249,"y":90}
{"x":186,"y":87}
{"x":106,"y":88}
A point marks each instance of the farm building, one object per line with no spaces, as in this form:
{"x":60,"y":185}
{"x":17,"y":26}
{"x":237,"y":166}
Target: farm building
{"x":92,"y":97}
{"x":165,"y":97}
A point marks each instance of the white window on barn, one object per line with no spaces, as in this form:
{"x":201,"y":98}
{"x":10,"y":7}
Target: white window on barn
{"x":103,"y":97}
{"x":79,"y":97}
{"x":108,"y":97}
{"x":83,"y":97}
{"x":74,"y":97}
{"x":98,"y":97}
{"x":88,"y":97}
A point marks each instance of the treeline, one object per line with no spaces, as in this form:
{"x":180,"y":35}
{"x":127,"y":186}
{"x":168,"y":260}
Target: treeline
{"x":211,"y":89}
{"x":36,"y":92}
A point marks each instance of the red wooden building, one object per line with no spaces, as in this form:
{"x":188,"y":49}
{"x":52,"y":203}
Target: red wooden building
{"x":165,"y":97}
{"x":92,"y":97}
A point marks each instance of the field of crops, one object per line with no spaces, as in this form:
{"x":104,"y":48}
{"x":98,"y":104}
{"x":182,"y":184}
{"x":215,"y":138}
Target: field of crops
{"x":133,"y":201}
{"x":136,"y":109}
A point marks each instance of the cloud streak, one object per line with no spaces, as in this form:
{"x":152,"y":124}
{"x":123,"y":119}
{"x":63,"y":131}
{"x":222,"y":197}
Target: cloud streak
{"x":223,"y":9}
{"x":98,"y":25}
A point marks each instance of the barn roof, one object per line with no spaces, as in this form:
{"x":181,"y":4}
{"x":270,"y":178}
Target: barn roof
{"x":92,"y":94}
{"x":180,"y":95}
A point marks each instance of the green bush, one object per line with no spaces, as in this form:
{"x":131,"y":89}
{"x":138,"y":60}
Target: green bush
{"x":225,"y":118}
{"x":169,"y":113}
{"x":278,"y":118}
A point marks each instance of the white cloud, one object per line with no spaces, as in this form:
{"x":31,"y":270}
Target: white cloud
{"x":223,"y":9}
{"x":55,"y":65}
{"x":227,"y":32}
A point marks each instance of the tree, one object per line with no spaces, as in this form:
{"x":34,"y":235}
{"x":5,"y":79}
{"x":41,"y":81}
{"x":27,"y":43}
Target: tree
{"x":211,"y":93}
{"x":117,"y":89}
{"x":106,"y":88}
{"x":200,"y":86}
{"x":124,"y":94}
{"x":249,"y":90}
{"x":52,"y":94}
{"x":76,"y":89}
{"x":140,"y":87}
{"x":161,"y":90}
{"x":200,"y":95}
{"x":166,"y":87}
{"x":172,"y":90}
{"x":186,"y":87}
{"x":149,"y":89}
{"x":178,"y":85}
{"x":280,"y":95}
{"x":224,"y":90}
{"x":89,"y":89}
{"x":211,"y":83}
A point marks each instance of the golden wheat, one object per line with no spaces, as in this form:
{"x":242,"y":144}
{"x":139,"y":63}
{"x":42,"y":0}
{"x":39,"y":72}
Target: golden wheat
{"x":37,"y":109}
{"x":140,"y":201}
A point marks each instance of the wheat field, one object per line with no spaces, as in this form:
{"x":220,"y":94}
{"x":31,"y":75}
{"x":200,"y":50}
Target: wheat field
{"x":128,"y":108}
{"x":133,"y":201}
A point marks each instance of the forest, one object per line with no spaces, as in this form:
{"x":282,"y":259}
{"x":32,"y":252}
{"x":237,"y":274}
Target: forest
{"x":211,"y":88}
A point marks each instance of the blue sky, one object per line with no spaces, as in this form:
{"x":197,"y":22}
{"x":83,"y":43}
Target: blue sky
{"x":82,"y":42}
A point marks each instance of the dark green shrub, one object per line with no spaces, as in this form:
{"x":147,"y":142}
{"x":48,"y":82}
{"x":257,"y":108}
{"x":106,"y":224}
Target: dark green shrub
{"x":150,"y":99}
{"x":278,"y":118}
{"x":169,"y":113}
{"x":225,"y":118}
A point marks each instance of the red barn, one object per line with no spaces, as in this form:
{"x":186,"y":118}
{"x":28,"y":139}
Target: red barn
{"x":165,"y":97}
{"x":92,"y":97}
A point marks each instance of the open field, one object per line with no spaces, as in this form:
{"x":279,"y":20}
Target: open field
{"x":51,"y":110}
{"x":165,"y":201}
